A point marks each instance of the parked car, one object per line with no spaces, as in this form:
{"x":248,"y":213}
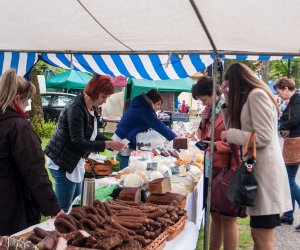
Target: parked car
{"x":53,"y":103}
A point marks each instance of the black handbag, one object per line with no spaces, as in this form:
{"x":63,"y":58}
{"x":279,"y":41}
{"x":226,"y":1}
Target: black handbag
{"x":243,"y":187}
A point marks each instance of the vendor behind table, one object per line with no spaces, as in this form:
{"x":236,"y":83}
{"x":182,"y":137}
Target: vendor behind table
{"x":140,"y":117}
{"x":77,"y":135}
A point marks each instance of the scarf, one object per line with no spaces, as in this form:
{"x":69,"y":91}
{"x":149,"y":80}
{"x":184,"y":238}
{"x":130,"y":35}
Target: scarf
{"x":17,"y":108}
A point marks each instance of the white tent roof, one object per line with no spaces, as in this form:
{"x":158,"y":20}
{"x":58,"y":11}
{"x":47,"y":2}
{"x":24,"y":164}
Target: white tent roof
{"x":158,"y":26}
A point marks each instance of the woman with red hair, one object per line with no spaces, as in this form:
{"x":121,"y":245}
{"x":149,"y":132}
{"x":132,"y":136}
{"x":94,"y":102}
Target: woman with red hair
{"x":77,"y":134}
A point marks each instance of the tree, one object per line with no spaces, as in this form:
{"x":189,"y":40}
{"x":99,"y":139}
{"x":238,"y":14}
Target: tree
{"x":36,"y":104}
{"x":279,"y":68}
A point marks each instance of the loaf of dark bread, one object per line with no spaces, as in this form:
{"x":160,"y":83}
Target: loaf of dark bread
{"x":160,"y":186}
{"x":180,"y":143}
{"x":130,"y":194}
{"x":166,"y":199}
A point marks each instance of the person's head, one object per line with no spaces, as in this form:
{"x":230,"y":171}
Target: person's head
{"x":155,"y":98}
{"x":203,"y":90}
{"x":14,"y":90}
{"x":183,"y":101}
{"x":99,"y":88}
{"x":285,"y":87}
{"x":241,"y":81}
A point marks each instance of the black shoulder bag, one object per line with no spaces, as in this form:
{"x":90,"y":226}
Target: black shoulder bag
{"x":242,"y":189}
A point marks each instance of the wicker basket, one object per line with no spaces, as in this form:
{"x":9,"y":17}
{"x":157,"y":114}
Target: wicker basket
{"x":159,"y":242}
{"x":176,"y":229}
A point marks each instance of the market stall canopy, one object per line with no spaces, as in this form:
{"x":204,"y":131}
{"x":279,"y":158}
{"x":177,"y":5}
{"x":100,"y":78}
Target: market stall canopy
{"x":148,"y":39}
{"x":175,"y":86}
{"x":70,"y":79}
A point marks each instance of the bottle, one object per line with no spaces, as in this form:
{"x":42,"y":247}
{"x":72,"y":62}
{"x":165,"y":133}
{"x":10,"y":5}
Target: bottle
{"x":88,"y":189}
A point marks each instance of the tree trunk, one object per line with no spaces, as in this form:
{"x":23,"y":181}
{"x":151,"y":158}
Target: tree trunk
{"x":265,"y":71}
{"x":36,"y":104}
{"x":295,"y":72}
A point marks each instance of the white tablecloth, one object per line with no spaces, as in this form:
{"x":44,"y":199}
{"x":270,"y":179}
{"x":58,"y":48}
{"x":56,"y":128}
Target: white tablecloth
{"x":194,"y":204}
{"x":186,"y":240}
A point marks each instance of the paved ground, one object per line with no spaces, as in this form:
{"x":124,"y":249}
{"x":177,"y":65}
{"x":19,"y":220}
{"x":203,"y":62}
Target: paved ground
{"x":286,"y":238}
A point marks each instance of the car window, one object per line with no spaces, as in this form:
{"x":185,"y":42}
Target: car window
{"x":45,"y":100}
{"x":60,"y":101}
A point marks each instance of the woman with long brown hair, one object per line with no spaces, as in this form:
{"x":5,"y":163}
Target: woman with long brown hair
{"x":250,"y":106}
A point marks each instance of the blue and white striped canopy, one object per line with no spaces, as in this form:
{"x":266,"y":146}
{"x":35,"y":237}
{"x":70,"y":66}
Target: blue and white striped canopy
{"x":21,"y":62}
{"x":151,"y":67}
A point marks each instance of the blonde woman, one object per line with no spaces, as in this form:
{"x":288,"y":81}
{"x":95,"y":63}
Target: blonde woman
{"x":25,"y":190}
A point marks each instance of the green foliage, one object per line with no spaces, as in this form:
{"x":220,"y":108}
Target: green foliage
{"x":42,"y":128}
{"x":41,"y":66}
{"x":279,"y":68}
{"x":254,"y":65}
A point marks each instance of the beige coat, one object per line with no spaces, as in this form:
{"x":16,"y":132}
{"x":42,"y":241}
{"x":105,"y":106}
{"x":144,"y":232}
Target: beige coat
{"x":259,"y":114}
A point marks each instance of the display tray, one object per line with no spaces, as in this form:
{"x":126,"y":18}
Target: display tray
{"x":177,"y":228}
{"x":158,"y":243}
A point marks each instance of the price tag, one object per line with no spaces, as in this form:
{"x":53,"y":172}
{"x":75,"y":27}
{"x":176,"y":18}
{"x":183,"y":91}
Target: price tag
{"x":166,"y":174}
{"x":151,"y":166}
{"x":187,"y":167}
{"x":175,"y":170}
{"x":193,"y":158}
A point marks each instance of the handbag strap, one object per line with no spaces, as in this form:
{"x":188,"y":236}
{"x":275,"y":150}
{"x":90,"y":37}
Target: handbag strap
{"x":251,"y":138}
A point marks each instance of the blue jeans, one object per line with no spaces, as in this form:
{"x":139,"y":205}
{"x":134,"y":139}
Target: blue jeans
{"x":295,"y":189}
{"x":65,"y":190}
{"x":123,"y":161}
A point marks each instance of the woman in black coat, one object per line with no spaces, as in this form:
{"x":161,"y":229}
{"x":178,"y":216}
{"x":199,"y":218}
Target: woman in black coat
{"x":77,"y":134}
{"x":290,"y":127}
{"x":25,"y":189}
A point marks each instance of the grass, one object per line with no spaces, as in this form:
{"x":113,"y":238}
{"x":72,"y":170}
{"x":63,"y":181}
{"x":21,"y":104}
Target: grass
{"x":245,"y":240}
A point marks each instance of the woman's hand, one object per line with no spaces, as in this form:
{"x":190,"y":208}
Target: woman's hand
{"x":116,"y":145}
{"x":205,"y":114}
{"x":284,"y":133}
{"x":224,"y":135}
{"x":225,"y":91}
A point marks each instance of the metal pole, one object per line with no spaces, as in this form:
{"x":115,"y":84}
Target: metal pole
{"x":212,"y":139}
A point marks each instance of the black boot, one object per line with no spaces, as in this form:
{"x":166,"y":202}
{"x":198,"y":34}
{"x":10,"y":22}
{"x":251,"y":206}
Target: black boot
{"x":286,"y":220}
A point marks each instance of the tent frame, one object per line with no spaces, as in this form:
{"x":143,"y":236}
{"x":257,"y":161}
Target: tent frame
{"x":161,"y":52}
{"x":214,"y":52}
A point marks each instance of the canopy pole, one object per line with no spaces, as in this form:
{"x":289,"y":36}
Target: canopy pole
{"x":212,"y":139}
{"x":107,"y":31}
{"x":201,"y":20}
{"x":213,"y":121}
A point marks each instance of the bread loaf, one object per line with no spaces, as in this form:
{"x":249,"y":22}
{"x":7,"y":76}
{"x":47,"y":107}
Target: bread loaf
{"x":130,"y":194}
{"x":160,"y":186}
{"x":167,"y":198}
{"x":180,"y":143}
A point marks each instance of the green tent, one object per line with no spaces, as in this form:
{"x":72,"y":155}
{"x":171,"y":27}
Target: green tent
{"x":136,"y":86}
{"x":70,"y":79}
